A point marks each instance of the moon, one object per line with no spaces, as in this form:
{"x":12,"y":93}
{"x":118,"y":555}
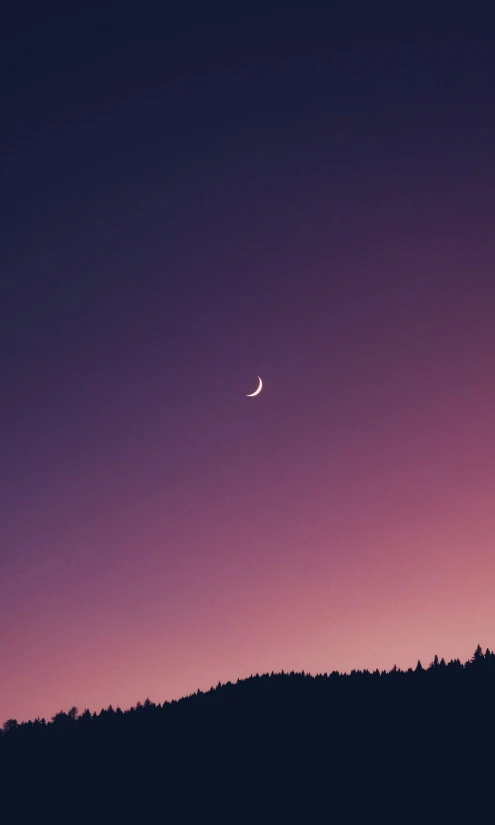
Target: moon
{"x":257,"y":391}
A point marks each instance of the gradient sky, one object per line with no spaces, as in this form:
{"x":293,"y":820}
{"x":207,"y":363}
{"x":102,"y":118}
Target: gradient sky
{"x":186,"y":205}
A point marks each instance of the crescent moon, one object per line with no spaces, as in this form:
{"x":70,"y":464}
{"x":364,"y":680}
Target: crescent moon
{"x":256,"y":392}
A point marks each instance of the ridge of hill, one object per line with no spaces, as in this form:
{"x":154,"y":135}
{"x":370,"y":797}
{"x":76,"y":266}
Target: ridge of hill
{"x":419,"y":738}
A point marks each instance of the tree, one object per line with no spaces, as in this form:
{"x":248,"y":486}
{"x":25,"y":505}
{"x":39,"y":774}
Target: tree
{"x":10,"y":724}
{"x":419,"y":667}
{"x":478,"y":655}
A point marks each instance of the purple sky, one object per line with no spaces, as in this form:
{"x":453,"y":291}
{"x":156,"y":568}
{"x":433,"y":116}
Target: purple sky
{"x":321,"y":217}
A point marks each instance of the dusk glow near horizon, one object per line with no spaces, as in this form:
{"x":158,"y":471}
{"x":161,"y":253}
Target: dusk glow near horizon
{"x":324,"y":221}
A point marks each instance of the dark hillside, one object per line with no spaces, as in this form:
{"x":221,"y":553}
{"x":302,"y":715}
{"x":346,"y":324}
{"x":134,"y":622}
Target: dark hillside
{"x":419,"y":740}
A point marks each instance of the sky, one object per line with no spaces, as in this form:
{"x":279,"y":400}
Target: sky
{"x":190,"y":202}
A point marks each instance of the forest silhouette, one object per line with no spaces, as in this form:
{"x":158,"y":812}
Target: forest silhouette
{"x":414,"y":745}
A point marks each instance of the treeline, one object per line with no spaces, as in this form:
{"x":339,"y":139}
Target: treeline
{"x":481,"y":664}
{"x":415,"y":737}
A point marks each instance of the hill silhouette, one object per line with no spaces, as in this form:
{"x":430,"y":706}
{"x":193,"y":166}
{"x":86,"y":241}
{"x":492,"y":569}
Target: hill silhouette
{"x":415,"y":745}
